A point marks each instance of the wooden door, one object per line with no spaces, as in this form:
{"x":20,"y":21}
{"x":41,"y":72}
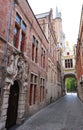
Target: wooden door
{"x":12,"y":105}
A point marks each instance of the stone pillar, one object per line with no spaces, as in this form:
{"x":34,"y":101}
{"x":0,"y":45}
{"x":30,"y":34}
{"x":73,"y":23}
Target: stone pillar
{"x":4,"y":109}
{"x":21,"y":106}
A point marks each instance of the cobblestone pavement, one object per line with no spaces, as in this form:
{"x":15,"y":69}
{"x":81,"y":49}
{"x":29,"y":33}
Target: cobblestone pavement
{"x":64,"y":114}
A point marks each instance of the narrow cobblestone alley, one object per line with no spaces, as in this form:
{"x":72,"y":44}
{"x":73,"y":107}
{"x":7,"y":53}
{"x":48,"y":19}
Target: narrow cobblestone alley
{"x":65,"y":114}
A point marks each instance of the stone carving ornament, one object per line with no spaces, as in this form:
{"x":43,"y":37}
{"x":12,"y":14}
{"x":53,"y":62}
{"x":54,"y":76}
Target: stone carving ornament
{"x":17,"y":69}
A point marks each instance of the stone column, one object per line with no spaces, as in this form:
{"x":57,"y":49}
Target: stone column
{"x":4,"y":107}
{"x":21,"y":105}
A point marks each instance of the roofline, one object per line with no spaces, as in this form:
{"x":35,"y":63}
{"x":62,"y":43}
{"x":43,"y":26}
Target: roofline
{"x":42,"y":13}
{"x":36,"y":19}
{"x":58,"y":18}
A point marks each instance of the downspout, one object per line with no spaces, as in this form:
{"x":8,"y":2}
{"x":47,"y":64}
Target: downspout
{"x":4,"y":59}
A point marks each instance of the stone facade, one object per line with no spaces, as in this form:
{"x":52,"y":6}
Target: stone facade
{"x":68,"y":63}
{"x":79,"y":59}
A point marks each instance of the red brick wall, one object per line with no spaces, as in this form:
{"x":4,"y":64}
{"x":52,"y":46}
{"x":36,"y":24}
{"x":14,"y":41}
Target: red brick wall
{"x":79,"y":69}
{"x":4,"y":11}
{"x":33,"y":28}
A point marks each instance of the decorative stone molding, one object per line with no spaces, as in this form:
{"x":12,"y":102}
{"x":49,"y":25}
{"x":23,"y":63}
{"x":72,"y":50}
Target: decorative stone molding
{"x":17,"y":69}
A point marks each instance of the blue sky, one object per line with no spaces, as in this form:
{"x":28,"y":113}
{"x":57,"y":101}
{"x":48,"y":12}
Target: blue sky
{"x":71,"y":13}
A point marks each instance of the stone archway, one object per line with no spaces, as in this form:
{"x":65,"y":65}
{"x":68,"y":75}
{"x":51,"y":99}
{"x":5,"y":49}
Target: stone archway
{"x":17,"y":71}
{"x":69,"y":76}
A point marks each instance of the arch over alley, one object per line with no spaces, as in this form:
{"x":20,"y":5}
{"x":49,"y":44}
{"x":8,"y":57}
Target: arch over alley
{"x":68,"y":75}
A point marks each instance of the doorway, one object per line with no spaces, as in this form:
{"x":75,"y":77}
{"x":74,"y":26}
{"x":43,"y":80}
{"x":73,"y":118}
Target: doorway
{"x":12,"y":105}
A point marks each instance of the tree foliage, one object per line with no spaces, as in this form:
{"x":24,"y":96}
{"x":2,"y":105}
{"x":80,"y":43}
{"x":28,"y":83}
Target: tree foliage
{"x":70,"y":84}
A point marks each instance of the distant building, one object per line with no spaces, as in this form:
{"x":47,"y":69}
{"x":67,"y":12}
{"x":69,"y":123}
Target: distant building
{"x":68,"y":63}
{"x":60,"y":46}
{"x":52,"y":28}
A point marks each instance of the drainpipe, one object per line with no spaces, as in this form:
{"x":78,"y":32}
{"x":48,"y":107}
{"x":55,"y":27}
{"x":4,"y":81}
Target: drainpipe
{"x":4,"y":59}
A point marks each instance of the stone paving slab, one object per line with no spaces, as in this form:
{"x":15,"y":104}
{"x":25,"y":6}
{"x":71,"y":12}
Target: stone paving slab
{"x":65,"y":114}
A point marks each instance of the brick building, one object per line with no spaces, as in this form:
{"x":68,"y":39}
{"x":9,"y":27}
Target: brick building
{"x":79,"y":59}
{"x":48,"y":25}
{"x":28,"y":69}
{"x":23,"y":46}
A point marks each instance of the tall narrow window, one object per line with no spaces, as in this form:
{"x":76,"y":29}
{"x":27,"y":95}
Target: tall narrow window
{"x":19,"y":33}
{"x":33,"y":89}
{"x":22,"y":42}
{"x":18,"y":19}
{"x":34,"y":99}
{"x":68,"y":63}
{"x":30,"y":96}
{"x":65,"y":63}
{"x":16,"y":36}
{"x":42,"y":89}
{"x":23,"y":26}
{"x":35,"y":50}
{"x":71,"y":63}
{"x":43,"y":58}
{"x":36,"y":53}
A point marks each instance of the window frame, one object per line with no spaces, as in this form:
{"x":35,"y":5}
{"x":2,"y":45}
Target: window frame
{"x":35,"y":49}
{"x":33,"y":86}
{"x":22,"y":32}
{"x":68,"y":63}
